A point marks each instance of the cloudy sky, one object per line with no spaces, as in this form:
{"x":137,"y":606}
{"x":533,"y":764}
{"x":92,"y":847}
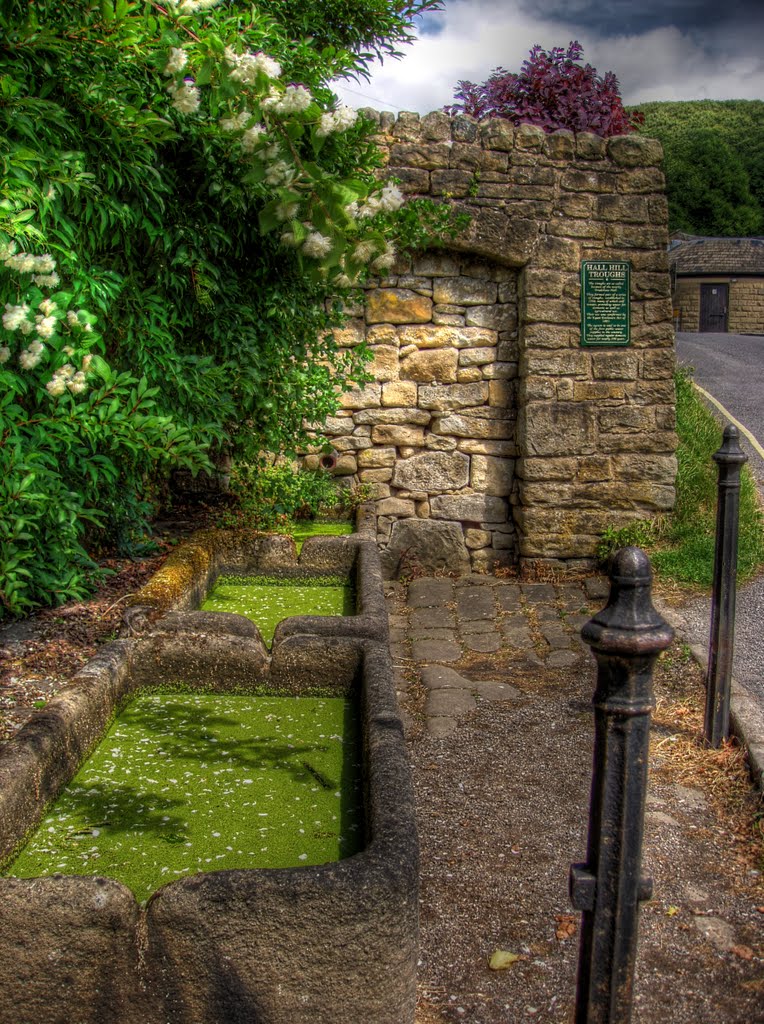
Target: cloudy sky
{"x":658,"y":49}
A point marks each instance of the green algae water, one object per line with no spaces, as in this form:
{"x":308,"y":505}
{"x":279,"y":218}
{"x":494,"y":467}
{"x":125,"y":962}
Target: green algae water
{"x":320,"y":528}
{"x":267,"y":600}
{"x":184,"y":783}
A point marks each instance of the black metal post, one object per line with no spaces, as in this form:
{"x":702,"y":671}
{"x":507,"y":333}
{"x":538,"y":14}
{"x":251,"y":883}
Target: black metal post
{"x":730,"y":459}
{"x":626,"y":638}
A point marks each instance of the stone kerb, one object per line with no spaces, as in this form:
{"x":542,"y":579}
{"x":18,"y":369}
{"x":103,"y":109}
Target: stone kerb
{"x":489,"y":434}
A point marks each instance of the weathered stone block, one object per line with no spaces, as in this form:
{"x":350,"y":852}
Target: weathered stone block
{"x":491,"y":476}
{"x":397,"y":306}
{"x":500,"y":317}
{"x":474,"y":538}
{"x":426,"y":544}
{"x":384,"y":363}
{"x":353,"y":333}
{"x":557,"y":428}
{"x":533,"y":469}
{"x":436,"y":126}
{"x":436,"y":264}
{"x":399,"y":393}
{"x":410,"y":414}
{"x":626,"y":419}
{"x":469,"y":374}
{"x":590,"y":146}
{"x":425,"y":155}
{"x":389,"y":434}
{"x":476,"y":356}
{"x":500,"y":449}
{"x":496,"y":133}
{"x":475,"y":427}
{"x":428,"y":336}
{"x":362,"y":398}
{"x":430,"y":366}
{"x":479,"y":508}
{"x":456,"y":183}
{"x":630,"y":209}
{"x":464,"y":291}
{"x":614,"y":365}
{"x":373,"y":458}
{"x":432,"y":472}
{"x":529,"y":137}
{"x":396,"y":507}
{"x":455,"y":396}
{"x":635,"y":151}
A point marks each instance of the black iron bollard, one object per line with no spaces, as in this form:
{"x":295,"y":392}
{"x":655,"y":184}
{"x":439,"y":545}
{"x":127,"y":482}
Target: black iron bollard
{"x":730,"y":459}
{"x":626,"y":638}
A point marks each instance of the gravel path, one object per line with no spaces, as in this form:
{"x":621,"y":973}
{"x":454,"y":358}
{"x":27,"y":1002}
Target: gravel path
{"x":501,"y":744}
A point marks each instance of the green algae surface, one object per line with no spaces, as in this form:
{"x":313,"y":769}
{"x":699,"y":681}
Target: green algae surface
{"x":184,"y":783}
{"x":319,"y":528}
{"x":267,"y":600}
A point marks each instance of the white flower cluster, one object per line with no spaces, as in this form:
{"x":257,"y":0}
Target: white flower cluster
{"x":192,"y":6}
{"x":295,"y":99}
{"x":176,"y":61}
{"x":338,"y":120}
{"x":235,"y":123}
{"x":15,"y":317}
{"x":279,"y":173}
{"x":316,"y":245}
{"x":386,"y":260}
{"x":252,"y":136}
{"x":42,"y":268}
{"x":185,"y":97}
{"x":389,"y":200}
{"x":66,"y":378}
{"x":246,"y":66}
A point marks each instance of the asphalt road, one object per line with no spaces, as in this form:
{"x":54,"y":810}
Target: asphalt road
{"x":731,"y":368}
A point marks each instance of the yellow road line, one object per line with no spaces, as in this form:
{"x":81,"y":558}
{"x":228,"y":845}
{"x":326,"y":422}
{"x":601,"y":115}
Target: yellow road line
{"x":725,"y":412}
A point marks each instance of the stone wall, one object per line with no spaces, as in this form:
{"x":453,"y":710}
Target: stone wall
{"x":490,"y":435}
{"x":746,"y":303}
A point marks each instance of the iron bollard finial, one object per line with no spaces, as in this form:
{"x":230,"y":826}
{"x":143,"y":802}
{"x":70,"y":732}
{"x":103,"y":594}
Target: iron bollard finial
{"x":626,"y":638}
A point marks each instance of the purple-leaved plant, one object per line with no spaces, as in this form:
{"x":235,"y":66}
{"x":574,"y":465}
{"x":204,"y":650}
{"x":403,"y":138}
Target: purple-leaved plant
{"x":553,"y":90}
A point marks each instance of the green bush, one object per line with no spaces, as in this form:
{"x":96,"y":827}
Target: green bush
{"x":179,"y":229}
{"x":269,"y":496}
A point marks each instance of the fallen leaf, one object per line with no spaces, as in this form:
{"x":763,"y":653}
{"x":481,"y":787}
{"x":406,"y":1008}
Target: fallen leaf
{"x":501,"y":959}
{"x":672,"y":911}
{"x":760,"y":910}
{"x":566,"y":926}
{"x":744,"y":952}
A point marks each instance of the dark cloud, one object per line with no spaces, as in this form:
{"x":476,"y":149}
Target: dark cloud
{"x":634,"y":17}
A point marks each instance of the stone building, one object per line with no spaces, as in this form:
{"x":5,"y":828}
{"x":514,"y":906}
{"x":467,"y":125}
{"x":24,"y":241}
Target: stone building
{"x":719,"y":284}
{"x":491,"y":436}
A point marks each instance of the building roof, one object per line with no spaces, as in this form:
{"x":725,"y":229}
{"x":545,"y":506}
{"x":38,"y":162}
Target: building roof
{"x":693,"y":255}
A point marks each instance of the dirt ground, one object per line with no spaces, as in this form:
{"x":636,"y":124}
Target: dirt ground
{"x":502,"y":810}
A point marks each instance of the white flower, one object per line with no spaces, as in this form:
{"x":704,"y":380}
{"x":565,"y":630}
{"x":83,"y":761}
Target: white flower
{"x":86,"y":361}
{"x":385,"y":261}
{"x":251,"y":137}
{"x":71,"y":319}
{"x":337,"y":121}
{"x":233,"y":124}
{"x":279,"y":173}
{"x":14,"y":316}
{"x":288,"y":238}
{"x":26,"y":327}
{"x":56,"y":386}
{"x":5,"y":353}
{"x":29,"y":360}
{"x":68,"y":350}
{"x":77,"y":384}
{"x":87,"y":328}
{"x":176,"y":61}
{"x":343,"y":281}
{"x":287,"y":211}
{"x":193,"y":6}
{"x":44,"y":264}
{"x":47,"y":306}
{"x":66,"y":371}
{"x":7,"y":249}
{"x":370,"y":208}
{"x":269,"y":67}
{"x":316,"y":245}
{"x":391,"y":199}
{"x":46,"y":326}
{"x":296,"y":99}
{"x":46,"y":280}
{"x":352,"y":210}
{"x":363,"y":251}
{"x":36,"y":348}
{"x":186,"y":97}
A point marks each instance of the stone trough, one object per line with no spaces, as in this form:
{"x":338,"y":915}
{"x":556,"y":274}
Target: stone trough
{"x":330,"y":942}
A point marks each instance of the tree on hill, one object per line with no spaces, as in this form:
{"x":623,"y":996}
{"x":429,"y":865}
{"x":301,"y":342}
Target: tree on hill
{"x":181,"y":200}
{"x":714,"y":160}
{"x":552,"y":90}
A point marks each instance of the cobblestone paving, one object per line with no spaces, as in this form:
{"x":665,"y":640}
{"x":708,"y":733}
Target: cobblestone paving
{"x":441,"y":627}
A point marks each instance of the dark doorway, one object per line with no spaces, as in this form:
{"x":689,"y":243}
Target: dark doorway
{"x":714,"y":302}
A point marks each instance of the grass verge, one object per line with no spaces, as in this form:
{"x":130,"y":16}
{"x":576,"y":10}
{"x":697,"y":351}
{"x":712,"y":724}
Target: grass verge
{"x":681,"y":544}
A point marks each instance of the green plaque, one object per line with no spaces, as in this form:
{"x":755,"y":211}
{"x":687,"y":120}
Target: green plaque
{"x":605,"y":313}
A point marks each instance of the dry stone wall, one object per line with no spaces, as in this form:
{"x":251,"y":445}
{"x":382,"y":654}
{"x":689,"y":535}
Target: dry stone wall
{"x":489,"y":434}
